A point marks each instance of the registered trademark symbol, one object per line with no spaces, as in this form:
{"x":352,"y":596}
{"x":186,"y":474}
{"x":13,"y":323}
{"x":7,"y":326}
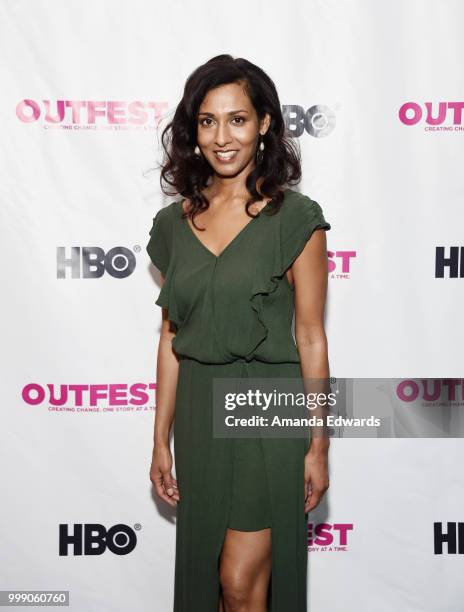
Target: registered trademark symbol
{"x":137,"y":527}
{"x":137,"y":248}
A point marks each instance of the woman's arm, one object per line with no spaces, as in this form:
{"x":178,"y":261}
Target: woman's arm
{"x":310,"y":274}
{"x":167,"y":371}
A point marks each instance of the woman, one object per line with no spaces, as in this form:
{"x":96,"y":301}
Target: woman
{"x":238,"y":254}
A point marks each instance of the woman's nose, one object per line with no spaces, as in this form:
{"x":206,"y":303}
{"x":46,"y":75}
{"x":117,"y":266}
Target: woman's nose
{"x":222,"y":134}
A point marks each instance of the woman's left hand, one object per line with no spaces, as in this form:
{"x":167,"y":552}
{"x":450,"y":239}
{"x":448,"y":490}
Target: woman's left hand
{"x":316,"y":476}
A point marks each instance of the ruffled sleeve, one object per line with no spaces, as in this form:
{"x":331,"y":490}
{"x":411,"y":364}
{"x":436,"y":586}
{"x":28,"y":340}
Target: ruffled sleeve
{"x":303,"y":217}
{"x":158,"y":246}
{"x":161,"y":250}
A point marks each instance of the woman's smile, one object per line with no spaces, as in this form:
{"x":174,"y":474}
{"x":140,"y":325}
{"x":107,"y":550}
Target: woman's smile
{"x":226,"y":157}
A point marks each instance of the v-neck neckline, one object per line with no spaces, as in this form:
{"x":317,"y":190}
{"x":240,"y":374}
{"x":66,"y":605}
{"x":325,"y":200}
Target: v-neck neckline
{"x":229,"y":244}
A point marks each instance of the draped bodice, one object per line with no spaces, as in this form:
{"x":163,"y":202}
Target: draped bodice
{"x":238,"y":305}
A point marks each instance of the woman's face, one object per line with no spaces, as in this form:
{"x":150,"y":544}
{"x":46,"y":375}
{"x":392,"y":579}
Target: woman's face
{"x":227,"y":122}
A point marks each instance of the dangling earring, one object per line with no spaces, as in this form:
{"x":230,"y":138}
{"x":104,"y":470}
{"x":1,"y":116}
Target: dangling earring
{"x":259,"y":152}
{"x":197,"y":151}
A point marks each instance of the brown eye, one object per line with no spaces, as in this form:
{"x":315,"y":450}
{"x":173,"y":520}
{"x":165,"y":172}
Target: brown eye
{"x":240,"y":119}
{"x":205,"y":119}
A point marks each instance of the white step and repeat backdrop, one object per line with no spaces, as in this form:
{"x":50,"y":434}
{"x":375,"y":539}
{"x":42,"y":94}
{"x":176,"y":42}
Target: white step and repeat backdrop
{"x":374,"y":93}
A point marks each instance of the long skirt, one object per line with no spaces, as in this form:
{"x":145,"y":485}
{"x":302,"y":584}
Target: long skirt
{"x":246,"y":484}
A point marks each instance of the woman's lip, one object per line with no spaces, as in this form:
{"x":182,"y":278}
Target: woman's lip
{"x":225,"y":160}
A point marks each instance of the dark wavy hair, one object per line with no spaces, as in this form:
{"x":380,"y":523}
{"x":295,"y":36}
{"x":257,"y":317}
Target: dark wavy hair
{"x":277,"y":166}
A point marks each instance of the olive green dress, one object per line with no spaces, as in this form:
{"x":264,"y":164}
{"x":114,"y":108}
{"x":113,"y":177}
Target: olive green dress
{"x":233,"y":315}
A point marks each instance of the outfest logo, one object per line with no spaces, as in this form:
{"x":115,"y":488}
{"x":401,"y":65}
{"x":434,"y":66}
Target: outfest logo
{"x":328,"y":537}
{"x":339,"y":264}
{"x":92,"y":114}
{"x":433,"y":116}
{"x":432,"y":391}
{"x":90,"y":398}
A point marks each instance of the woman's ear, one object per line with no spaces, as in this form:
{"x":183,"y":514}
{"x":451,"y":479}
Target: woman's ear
{"x":265,"y":123}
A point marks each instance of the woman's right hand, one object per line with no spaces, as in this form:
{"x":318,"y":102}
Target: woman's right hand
{"x":161,"y":477}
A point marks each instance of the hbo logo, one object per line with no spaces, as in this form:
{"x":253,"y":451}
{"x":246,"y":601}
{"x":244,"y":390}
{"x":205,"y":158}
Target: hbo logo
{"x":118,"y":262}
{"x":94,"y":539}
{"x":318,"y":120}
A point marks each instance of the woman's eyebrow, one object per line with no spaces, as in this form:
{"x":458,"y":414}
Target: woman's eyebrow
{"x":242,"y":110}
